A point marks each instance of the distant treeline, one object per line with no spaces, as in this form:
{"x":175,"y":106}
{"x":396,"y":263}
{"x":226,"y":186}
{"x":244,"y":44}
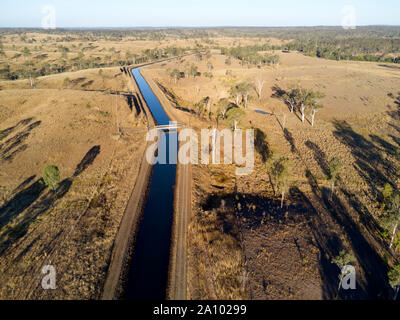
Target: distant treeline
{"x":360,"y":49}
{"x":251,"y":55}
{"x":34,"y":67}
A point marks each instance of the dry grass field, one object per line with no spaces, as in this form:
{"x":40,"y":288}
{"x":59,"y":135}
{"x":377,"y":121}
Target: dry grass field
{"x":73,"y":228}
{"x":65,"y":100}
{"x":289,"y":251}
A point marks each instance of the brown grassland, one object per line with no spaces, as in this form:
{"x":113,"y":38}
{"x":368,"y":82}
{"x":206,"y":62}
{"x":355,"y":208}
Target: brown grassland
{"x":95,"y":138}
{"x":241,"y":244}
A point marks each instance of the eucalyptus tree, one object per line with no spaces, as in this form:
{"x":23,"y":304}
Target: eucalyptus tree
{"x":223,"y":106}
{"x":175,"y":74}
{"x":392,"y":220}
{"x":259,"y":83}
{"x":234,"y":116}
{"x":245,"y":89}
{"x":281,"y":172}
{"x":312,"y":103}
{"x":304,"y":100}
{"x":290,"y":97}
{"x":394,"y":279}
{"x":235,"y":93}
{"x":193,"y":71}
{"x":315,"y":107}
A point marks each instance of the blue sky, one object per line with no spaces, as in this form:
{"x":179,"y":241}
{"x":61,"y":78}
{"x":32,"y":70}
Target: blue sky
{"x":159,"y":13}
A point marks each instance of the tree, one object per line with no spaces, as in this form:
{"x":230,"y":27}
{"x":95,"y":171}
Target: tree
{"x":241,"y":90}
{"x":334,"y":167}
{"x":280,"y":171}
{"x":208,"y":75}
{"x":392,"y":220}
{"x":308,"y":99}
{"x":234,"y":116}
{"x":314,"y":105}
{"x":175,"y":74}
{"x":303,"y":98}
{"x":314,"y":108}
{"x":259,"y":87}
{"x":193,"y":71}
{"x":201,"y":106}
{"x":235,"y":93}
{"x":343,"y":259}
{"x":290,"y":97}
{"x":244,"y":89}
{"x":51,"y":177}
{"x":394,"y":279}
{"x":223,"y":106}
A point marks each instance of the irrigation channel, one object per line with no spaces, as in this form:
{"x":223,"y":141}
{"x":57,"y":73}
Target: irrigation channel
{"x":148,"y":271}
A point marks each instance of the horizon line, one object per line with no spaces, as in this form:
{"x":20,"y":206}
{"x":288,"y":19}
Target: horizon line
{"x":203,"y":27}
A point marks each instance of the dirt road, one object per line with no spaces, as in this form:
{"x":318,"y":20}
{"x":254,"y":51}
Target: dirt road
{"x":177,"y":276}
{"x":125,"y":237}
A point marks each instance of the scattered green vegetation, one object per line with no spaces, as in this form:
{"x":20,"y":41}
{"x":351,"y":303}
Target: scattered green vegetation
{"x":334,"y":169}
{"x":392,"y":219}
{"x":51,"y":177}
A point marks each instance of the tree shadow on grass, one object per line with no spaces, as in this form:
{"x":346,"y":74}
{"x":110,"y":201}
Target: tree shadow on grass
{"x":133,"y":101}
{"x":87,"y":160}
{"x":375,"y":270}
{"x":15,"y":145}
{"x":319,"y":156}
{"x":12,"y":233}
{"x":173,"y":99}
{"x":261,"y":145}
{"x":374,"y":283}
{"x":327,"y":242}
{"x":289,"y":138}
{"x":30,"y":201}
{"x":371,"y":164}
{"x":6,"y":132}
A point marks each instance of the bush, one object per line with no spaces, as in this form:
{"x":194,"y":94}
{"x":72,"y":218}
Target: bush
{"x":394,"y":276}
{"x":51,"y":177}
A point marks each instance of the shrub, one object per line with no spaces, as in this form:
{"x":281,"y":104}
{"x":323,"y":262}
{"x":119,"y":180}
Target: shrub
{"x":394,"y":276}
{"x":51,"y":177}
